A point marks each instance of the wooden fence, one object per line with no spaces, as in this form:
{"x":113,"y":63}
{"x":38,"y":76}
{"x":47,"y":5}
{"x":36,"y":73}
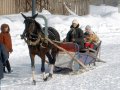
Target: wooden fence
{"x":106,"y":2}
{"x":80,"y":7}
{"x":7,"y":6}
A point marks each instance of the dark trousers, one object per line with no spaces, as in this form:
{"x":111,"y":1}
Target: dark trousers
{"x":7,"y":65}
{"x":1,"y":70}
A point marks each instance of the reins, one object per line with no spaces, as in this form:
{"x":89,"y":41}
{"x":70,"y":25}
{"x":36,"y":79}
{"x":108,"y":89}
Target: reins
{"x":52,"y":42}
{"x":57,"y":46}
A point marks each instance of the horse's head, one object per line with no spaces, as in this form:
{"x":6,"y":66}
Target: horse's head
{"x":30,"y":27}
{"x":32,"y":32}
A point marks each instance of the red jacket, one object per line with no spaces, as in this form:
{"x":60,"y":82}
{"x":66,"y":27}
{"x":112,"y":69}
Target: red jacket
{"x":5,"y":38}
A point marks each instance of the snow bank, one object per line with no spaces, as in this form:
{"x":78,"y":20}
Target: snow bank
{"x":102,"y":10}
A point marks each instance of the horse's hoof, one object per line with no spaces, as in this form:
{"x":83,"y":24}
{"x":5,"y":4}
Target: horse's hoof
{"x":48,"y":77}
{"x":34,"y":82}
{"x":45,"y":79}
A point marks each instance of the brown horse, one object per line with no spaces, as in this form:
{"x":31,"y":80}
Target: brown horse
{"x":38,"y":45}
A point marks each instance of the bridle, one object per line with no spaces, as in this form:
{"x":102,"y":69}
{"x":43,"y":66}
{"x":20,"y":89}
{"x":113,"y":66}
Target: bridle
{"x":32,"y":38}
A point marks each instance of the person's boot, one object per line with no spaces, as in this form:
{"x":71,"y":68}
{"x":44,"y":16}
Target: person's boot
{"x":8,"y":66}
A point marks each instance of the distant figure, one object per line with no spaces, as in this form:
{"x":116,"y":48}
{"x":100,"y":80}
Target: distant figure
{"x":75,"y":34}
{"x":5,"y":39}
{"x":91,"y":39}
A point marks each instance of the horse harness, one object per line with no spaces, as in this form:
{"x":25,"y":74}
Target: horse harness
{"x":37,"y":39}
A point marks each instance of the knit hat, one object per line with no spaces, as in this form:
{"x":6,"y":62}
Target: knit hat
{"x":75,"y":21}
{"x":88,"y":27}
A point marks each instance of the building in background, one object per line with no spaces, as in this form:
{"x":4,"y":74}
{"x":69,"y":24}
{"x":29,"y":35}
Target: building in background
{"x":106,"y":2}
{"x":80,"y":7}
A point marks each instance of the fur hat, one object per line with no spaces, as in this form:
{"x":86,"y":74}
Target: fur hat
{"x":88,"y":27}
{"x":75,"y":21}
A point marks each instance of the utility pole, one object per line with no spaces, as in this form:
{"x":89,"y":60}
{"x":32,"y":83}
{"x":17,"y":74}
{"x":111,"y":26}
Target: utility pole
{"x":33,"y":7}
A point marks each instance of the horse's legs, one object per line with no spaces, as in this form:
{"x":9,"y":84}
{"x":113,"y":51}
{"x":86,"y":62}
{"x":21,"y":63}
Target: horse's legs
{"x":52,"y":62}
{"x":43,"y":66}
{"x":32,"y":56}
{"x":50,"y":58}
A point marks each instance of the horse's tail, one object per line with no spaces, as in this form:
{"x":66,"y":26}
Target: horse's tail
{"x":57,"y":51}
{"x":56,"y":36}
{"x":54,"y":33}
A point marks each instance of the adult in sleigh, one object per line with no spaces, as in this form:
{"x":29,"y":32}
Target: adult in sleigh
{"x":85,"y":45}
{"x":75,"y":35}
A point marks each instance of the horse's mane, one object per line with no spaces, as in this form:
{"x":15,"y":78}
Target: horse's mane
{"x":52,"y":32}
{"x":39,"y":27}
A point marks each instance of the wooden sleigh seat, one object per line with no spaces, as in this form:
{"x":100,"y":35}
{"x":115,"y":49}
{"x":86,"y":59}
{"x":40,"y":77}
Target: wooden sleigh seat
{"x":70,"y":46}
{"x":73,"y":47}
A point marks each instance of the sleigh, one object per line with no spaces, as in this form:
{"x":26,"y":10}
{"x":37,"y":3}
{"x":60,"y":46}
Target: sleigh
{"x":86,"y":57}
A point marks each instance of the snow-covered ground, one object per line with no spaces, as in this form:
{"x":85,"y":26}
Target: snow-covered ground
{"x":104,"y":20}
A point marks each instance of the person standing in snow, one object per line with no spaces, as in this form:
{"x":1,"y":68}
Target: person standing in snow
{"x":5,"y":39}
{"x":75,"y":34}
{"x":91,"y":39}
